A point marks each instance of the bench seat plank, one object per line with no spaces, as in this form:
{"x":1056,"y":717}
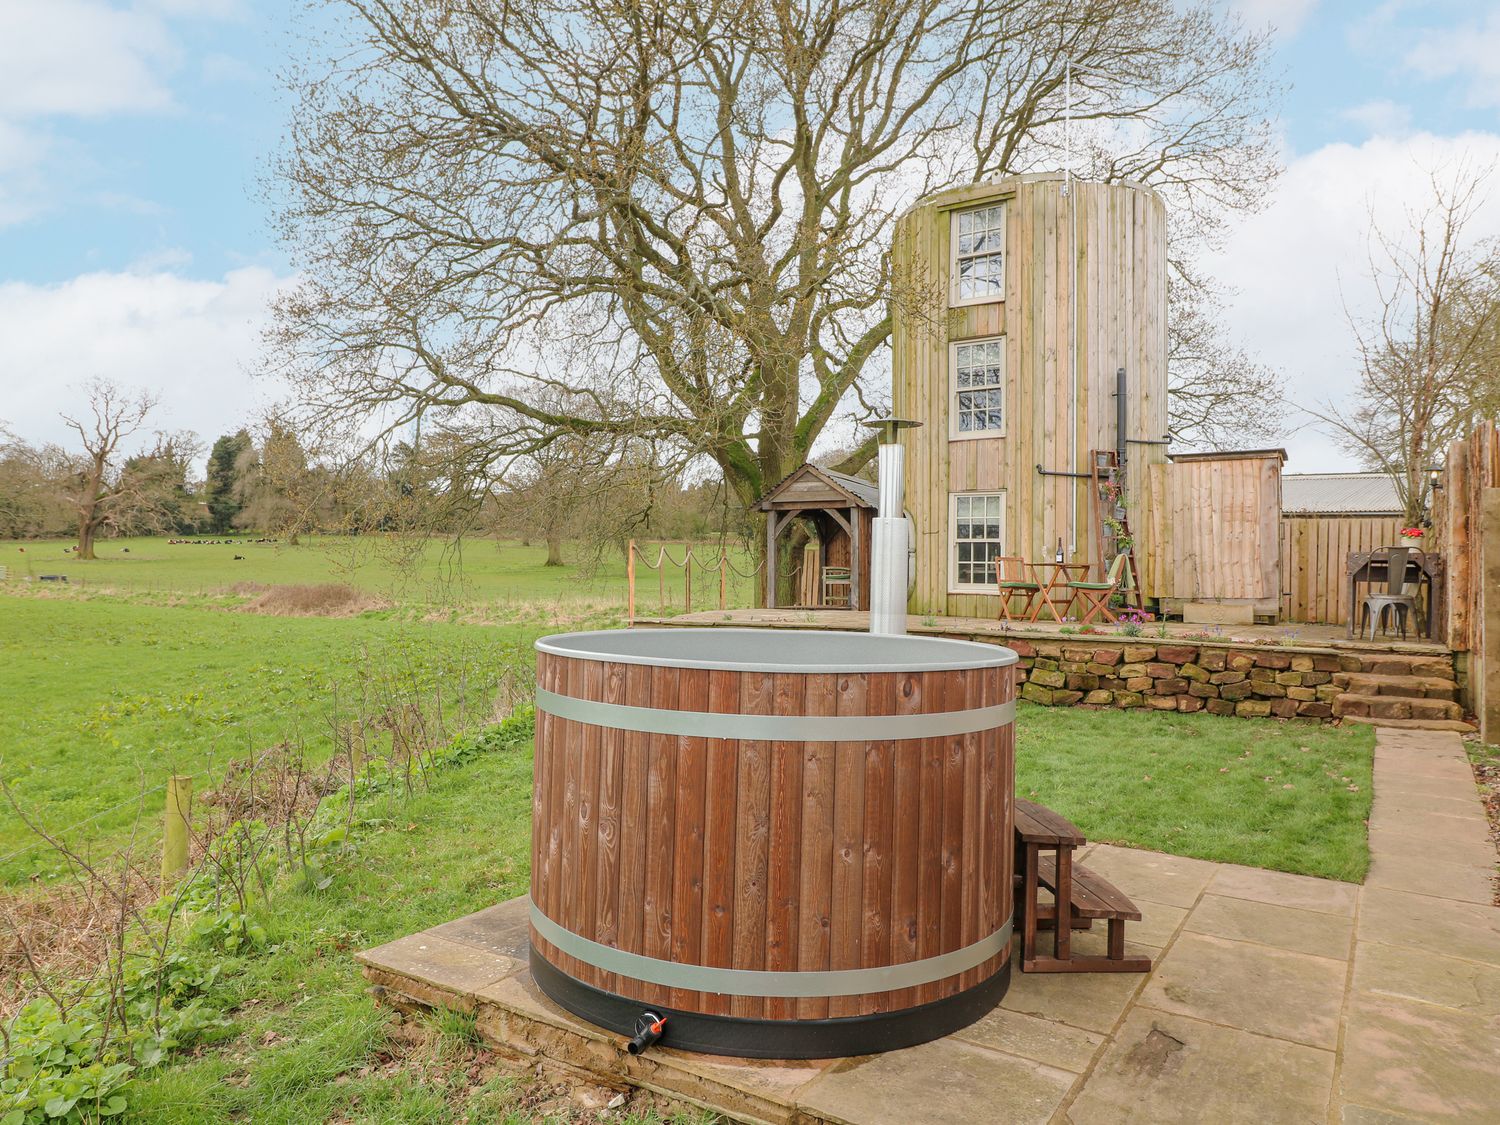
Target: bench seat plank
{"x":1037,"y":824}
{"x":1093,"y":895}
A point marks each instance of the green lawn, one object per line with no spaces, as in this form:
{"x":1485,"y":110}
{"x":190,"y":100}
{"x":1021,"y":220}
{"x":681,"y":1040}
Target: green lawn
{"x":1290,"y":796}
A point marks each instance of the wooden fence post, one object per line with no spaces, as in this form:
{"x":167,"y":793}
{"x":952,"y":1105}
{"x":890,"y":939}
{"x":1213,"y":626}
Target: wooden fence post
{"x":179,"y":811}
{"x":723,"y":577}
{"x":630,"y":582}
{"x":687,"y":581}
{"x":356,"y":750}
{"x":1485,"y":685}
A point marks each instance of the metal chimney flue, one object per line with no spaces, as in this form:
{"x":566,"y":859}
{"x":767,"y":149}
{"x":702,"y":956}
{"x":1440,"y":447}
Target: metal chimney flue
{"x":888,"y":554}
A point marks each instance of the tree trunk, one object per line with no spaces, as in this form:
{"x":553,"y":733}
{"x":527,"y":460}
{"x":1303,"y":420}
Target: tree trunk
{"x":85,"y":539}
{"x":554,"y":551}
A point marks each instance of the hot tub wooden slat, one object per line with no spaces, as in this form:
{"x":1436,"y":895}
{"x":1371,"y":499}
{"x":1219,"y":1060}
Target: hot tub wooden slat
{"x":610,"y":796}
{"x":634,"y":813}
{"x":930,"y":885}
{"x":587,"y":904}
{"x":784,"y":869}
{"x":875,"y":905}
{"x":955,"y":692}
{"x":752,"y":835}
{"x":687,"y":847}
{"x":572,"y":777}
{"x":721,"y":796}
{"x":814,"y":927}
{"x":906,"y":770}
{"x":656,"y":899}
{"x":973,"y":833}
{"x":848,"y":843}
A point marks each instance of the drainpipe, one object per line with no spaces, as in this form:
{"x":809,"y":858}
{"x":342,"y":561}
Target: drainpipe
{"x":888,"y":554}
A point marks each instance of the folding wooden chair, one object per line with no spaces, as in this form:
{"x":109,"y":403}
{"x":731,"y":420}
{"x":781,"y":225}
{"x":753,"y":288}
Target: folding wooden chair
{"x":1095,"y":595}
{"x":1013,"y":577}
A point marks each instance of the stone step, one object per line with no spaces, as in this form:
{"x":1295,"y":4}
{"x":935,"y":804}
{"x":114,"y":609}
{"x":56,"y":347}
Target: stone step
{"x":1458,"y":726}
{"x":1407,"y":664}
{"x":1412,"y":687}
{"x":1395,"y":707}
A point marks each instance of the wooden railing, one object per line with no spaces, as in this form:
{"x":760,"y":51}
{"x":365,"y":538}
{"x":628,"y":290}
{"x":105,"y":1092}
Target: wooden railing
{"x":718,"y":564}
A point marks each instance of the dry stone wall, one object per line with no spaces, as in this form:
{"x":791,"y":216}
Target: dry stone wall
{"x":1250,"y":682}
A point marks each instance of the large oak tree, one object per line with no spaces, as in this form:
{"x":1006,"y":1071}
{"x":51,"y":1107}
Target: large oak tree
{"x":669,"y":220}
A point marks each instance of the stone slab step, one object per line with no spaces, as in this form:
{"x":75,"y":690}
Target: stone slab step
{"x":1458,"y":726}
{"x":1407,"y":664}
{"x":1395,"y":707}
{"x":1412,"y":687}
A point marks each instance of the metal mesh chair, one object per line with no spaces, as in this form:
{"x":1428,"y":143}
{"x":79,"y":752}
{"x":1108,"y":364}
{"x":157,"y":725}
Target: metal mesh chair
{"x":1399,"y":599}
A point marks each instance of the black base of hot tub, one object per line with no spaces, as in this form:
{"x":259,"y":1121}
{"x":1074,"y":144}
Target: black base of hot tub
{"x":775,"y":1039}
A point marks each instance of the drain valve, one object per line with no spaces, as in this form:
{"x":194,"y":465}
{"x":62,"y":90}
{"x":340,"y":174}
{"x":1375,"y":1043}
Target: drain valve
{"x":648,"y":1029}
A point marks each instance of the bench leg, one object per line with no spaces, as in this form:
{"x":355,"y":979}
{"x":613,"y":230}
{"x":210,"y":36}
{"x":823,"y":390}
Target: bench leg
{"x":1062,"y":936}
{"x":1028,"y":908}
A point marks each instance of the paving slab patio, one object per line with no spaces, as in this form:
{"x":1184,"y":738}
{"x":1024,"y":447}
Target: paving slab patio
{"x":1273,"y":997}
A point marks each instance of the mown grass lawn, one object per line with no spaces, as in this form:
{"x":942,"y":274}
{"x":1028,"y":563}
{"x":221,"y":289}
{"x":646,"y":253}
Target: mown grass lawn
{"x":1290,"y":796}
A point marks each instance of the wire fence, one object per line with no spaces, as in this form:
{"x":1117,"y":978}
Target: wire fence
{"x":45,"y":836}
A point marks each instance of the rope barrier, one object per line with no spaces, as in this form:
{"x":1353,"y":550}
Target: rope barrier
{"x":719,"y":564}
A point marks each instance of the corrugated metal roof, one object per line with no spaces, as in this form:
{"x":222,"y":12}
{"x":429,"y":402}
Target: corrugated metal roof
{"x":1372,"y":494}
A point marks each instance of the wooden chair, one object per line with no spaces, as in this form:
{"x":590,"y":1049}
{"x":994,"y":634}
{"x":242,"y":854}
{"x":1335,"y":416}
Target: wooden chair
{"x":1013,"y":577}
{"x":837,"y":585}
{"x":1095,"y":595}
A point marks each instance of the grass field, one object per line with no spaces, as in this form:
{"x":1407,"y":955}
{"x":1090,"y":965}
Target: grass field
{"x":410,"y":572}
{"x":105,"y":698}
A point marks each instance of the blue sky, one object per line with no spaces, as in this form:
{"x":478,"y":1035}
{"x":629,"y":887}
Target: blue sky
{"x":134,"y":240}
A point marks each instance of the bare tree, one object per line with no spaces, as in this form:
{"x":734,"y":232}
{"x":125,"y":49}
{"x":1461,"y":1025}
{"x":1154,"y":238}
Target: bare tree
{"x":673,"y":218}
{"x":1429,"y":355}
{"x":98,"y":488}
{"x":580,"y":489}
{"x":1217,"y":393}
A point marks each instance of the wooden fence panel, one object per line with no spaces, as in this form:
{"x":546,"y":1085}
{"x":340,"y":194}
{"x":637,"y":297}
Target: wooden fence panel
{"x":1314,"y":552}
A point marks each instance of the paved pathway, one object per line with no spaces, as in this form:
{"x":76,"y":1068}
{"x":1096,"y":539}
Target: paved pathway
{"x":1274,"y":998}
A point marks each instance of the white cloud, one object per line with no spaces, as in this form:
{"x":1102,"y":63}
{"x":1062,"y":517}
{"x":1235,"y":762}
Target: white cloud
{"x":1469,"y":51}
{"x":192,"y":341}
{"x":1286,"y":16}
{"x":1381,"y":117}
{"x":1298,"y":262}
{"x":81,"y":58}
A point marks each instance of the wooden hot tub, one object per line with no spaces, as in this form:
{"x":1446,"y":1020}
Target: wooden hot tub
{"x":791,"y":844}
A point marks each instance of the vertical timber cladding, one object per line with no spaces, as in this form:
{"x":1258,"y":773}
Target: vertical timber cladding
{"x":795,"y":857}
{"x":1103,"y":244}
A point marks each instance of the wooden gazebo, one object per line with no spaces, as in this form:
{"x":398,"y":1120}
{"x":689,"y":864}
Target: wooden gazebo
{"x":842,"y":509}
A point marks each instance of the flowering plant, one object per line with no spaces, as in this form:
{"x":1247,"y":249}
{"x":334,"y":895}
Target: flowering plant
{"x":1411,"y":533}
{"x":1131,"y":621}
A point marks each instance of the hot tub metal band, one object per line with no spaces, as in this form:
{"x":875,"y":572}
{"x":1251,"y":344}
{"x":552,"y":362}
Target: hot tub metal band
{"x":774,"y":728}
{"x":760,"y":982}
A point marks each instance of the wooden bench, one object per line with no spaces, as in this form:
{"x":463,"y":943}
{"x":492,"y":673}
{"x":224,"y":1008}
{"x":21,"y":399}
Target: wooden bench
{"x":1088,"y":895}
